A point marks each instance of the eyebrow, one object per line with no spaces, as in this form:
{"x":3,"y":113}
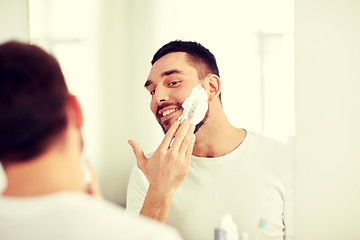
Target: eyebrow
{"x":147,"y":83}
{"x":166,"y":73}
{"x":173,"y":71}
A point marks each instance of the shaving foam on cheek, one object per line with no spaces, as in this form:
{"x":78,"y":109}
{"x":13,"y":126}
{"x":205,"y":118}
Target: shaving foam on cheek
{"x":195,"y":105}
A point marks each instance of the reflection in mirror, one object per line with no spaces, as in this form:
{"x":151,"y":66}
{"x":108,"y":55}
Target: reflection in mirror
{"x":105,"y":48}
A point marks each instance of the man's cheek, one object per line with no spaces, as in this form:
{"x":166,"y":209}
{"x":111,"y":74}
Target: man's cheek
{"x":153,"y":108}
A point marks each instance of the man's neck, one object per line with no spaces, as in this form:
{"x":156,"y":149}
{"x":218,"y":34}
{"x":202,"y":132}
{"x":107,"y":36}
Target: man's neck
{"x":43,"y":175}
{"x":217,"y":137}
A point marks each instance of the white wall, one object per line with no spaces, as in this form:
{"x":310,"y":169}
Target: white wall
{"x":14,"y":20}
{"x":13,"y":26}
{"x":124,"y":60}
{"x":327,"y":147}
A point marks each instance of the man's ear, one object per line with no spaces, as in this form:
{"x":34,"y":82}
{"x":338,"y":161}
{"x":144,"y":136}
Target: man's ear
{"x":74,"y":112}
{"x":214,"y":85}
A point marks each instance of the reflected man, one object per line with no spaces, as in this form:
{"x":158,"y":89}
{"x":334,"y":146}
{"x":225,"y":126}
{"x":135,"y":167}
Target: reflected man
{"x":41,"y":151}
{"x":232,"y":171}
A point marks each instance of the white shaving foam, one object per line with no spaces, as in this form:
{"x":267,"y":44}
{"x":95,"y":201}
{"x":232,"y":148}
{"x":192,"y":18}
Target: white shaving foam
{"x":195,"y":105}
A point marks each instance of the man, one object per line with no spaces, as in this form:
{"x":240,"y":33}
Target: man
{"x":41,"y":152}
{"x":231,"y":170}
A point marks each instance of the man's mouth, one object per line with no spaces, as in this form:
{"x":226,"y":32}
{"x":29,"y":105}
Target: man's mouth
{"x":167,"y":112}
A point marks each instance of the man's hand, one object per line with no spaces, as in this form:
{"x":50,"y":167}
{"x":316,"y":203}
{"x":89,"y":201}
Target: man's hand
{"x":90,"y":179}
{"x":166,"y":169}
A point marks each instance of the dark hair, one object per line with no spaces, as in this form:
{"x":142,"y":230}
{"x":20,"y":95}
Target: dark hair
{"x":198,"y":56}
{"x":33,"y":96}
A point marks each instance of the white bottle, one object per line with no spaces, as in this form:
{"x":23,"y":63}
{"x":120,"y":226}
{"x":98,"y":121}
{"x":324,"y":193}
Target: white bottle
{"x":227,"y":229}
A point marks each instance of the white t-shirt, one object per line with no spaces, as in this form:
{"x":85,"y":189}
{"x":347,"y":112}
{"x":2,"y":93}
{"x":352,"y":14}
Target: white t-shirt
{"x":251,"y":183}
{"x":72,"y":215}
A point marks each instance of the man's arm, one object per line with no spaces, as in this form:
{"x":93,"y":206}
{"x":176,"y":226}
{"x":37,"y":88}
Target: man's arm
{"x":166,"y":169}
{"x":156,"y":204}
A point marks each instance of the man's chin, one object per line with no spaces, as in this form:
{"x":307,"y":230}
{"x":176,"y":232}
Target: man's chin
{"x":165,"y":125}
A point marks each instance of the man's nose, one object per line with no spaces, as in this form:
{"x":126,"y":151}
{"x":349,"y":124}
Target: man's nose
{"x":160,"y":95}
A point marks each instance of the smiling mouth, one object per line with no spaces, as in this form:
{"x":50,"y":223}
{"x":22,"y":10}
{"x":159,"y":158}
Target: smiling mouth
{"x":167,"y":112}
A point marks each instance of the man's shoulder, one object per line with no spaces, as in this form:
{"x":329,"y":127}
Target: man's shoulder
{"x":269,"y":148}
{"x":108,"y":219}
{"x":263,"y":140}
{"x":79,"y":216}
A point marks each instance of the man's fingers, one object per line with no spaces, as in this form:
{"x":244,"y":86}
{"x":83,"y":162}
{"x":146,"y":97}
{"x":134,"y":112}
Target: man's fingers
{"x":190,"y":147}
{"x":188,"y":140}
{"x":169,"y":135}
{"x":139,"y":154}
{"x":180,"y":135}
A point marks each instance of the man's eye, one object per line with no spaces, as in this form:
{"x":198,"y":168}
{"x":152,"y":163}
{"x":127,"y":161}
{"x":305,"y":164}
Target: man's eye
{"x":152,"y":92}
{"x":173,"y":83}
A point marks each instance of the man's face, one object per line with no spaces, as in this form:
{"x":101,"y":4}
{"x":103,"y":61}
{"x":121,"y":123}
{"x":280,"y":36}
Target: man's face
{"x":170,"y":82}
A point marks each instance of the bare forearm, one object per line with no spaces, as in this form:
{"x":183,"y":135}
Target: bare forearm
{"x":157,"y":205}
{"x":166,"y":169}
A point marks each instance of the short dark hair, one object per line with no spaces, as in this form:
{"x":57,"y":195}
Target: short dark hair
{"x":198,"y":56}
{"x":33,"y":97}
